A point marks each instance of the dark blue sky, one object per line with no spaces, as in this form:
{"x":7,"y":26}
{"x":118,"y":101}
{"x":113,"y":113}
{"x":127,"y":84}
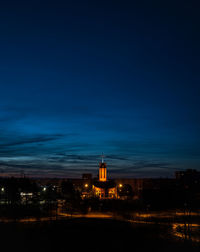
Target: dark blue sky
{"x":81,"y":77}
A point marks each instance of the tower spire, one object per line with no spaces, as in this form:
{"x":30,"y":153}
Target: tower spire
{"x":102,"y":158}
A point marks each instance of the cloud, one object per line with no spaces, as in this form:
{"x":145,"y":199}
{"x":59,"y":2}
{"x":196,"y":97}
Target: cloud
{"x":75,"y":164}
{"x":66,"y":149}
{"x":32,"y":140}
{"x":13,"y":144}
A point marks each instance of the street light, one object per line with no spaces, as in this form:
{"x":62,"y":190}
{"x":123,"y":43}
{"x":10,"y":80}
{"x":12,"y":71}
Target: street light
{"x":2,"y":189}
{"x":120,"y":185}
{"x":86,"y":185}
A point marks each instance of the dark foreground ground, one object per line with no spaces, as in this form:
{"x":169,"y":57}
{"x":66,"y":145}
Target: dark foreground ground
{"x":89,"y":235}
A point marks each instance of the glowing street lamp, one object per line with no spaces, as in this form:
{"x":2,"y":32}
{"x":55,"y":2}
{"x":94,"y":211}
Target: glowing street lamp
{"x":2,"y":189}
{"x":44,"y":189}
{"x":86,"y":185}
{"x":120,"y":185}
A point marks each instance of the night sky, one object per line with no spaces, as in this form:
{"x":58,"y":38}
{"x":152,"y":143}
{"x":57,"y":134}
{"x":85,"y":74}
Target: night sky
{"x":78,"y":78}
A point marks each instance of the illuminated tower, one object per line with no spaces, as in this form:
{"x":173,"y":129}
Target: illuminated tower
{"x":102,"y":171}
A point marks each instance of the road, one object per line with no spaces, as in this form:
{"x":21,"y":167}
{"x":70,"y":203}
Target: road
{"x":179,"y":229}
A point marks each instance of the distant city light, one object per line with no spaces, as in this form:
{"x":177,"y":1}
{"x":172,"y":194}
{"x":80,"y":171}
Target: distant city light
{"x":26,"y":194}
{"x":86,"y":185}
{"x":2,"y":189}
{"x":44,"y":189}
{"x":120,"y":185}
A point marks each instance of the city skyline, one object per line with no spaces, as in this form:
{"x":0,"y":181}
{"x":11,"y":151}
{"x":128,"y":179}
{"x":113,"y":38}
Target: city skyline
{"x":78,"y":78}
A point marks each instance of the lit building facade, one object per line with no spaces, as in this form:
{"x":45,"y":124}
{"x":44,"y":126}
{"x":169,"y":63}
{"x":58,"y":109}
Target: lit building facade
{"x":103,"y":188}
{"x":102,"y":172}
